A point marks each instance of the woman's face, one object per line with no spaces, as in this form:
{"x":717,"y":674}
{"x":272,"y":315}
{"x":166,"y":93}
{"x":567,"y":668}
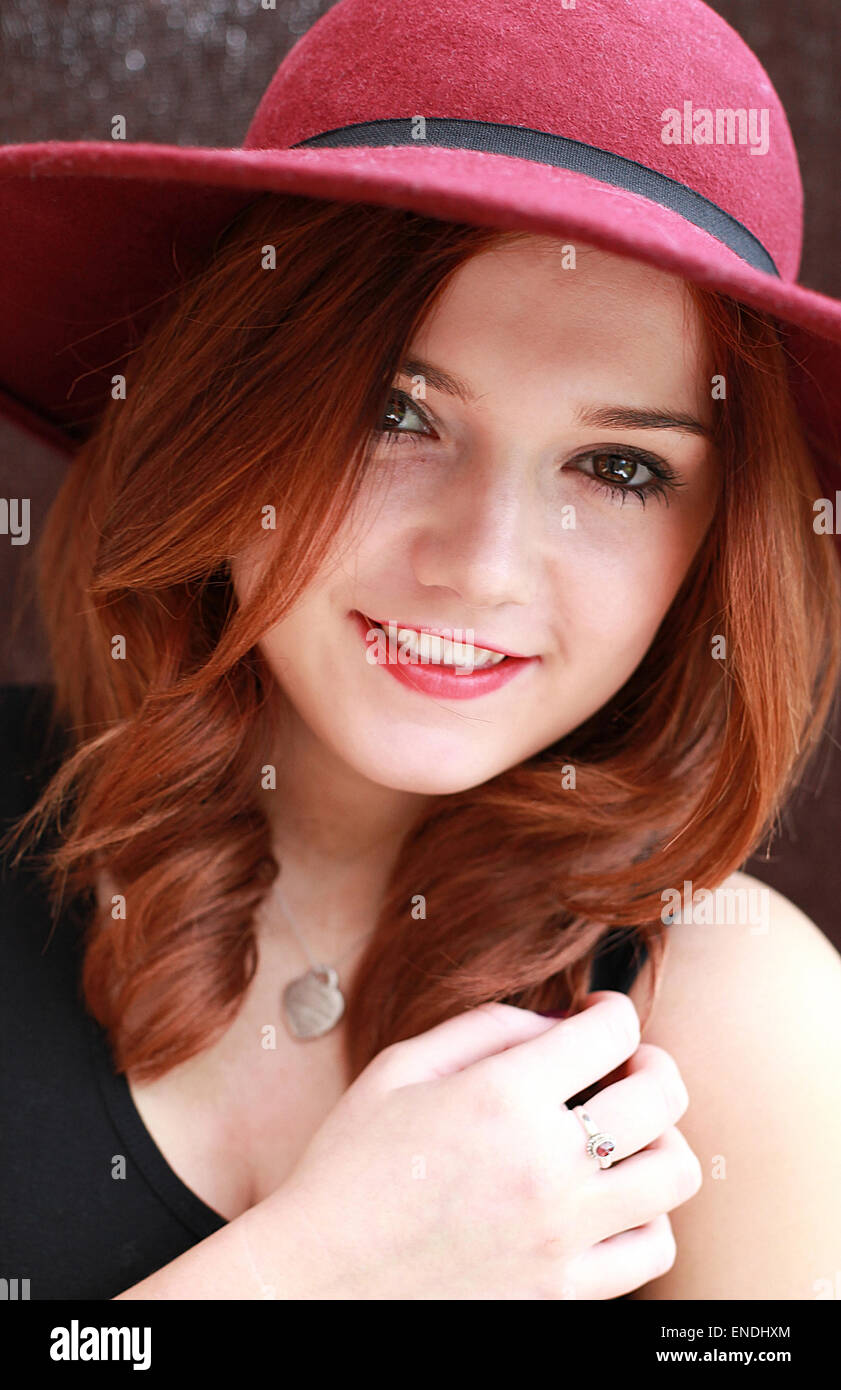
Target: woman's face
{"x":523,"y":511}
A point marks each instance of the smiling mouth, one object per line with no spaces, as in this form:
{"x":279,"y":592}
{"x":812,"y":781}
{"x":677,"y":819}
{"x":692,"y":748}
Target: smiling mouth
{"x":442,"y":647}
{"x":454,"y":671}
{"x":455,"y":634}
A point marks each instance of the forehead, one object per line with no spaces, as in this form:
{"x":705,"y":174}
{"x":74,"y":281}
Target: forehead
{"x":522,"y":314}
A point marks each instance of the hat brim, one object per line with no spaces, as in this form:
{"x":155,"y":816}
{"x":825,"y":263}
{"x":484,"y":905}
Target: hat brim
{"x":95,"y":233}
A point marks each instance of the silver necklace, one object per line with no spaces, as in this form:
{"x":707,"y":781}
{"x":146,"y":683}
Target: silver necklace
{"x":313,"y":1003}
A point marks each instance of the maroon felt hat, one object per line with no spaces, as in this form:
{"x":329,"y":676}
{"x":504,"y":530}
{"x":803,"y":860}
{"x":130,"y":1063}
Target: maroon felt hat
{"x":648,"y":129}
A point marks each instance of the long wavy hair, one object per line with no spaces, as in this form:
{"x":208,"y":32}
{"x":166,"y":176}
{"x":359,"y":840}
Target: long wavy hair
{"x":258,"y":387}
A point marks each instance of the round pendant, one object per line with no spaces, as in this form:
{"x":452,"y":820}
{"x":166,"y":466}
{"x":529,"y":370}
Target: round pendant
{"x":313,"y":1004}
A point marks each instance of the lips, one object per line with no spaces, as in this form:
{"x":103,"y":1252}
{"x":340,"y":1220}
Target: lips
{"x":439,"y":681}
{"x":479,"y":643}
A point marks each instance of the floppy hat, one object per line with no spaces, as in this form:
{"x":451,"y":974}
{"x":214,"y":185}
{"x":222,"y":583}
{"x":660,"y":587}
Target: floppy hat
{"x":648,"y":129}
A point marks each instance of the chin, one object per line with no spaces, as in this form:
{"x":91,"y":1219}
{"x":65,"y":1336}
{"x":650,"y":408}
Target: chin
{"x":424,"y":769}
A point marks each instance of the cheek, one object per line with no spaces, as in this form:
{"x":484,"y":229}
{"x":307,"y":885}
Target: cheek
{"x":614,"y":586}
{"x":390,"y":491}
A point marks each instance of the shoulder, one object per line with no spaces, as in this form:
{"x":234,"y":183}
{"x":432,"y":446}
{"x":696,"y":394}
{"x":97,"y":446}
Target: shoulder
{"x":747,"y":938}
{"x":750,"y":1008}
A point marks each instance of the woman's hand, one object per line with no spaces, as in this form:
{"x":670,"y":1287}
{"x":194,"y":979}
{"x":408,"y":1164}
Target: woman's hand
{"x":452,"y":1169}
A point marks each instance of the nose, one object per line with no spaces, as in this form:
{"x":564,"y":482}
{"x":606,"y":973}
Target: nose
{"x":480,"y":539}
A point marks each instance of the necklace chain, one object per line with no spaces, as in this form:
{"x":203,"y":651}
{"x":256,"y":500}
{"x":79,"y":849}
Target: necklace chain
{"x":314,"y":965}
{"x":313,"y":1004}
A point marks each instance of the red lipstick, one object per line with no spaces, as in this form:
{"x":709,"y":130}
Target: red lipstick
{"x":449,"y":632}
{"x":430,"y":678}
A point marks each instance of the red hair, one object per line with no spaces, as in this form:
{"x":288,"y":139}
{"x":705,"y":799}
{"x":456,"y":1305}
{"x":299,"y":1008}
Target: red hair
{"x":261,"y":387}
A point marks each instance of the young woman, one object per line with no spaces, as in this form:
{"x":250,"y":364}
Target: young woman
{"x":434,"y":608}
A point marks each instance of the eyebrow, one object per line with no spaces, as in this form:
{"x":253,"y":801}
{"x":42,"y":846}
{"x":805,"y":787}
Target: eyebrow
{"x":642,"y":418}
{"x":606,"y":416}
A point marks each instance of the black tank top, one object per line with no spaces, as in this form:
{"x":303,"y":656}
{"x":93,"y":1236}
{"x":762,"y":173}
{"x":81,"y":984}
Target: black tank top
{"x":88,"y":1203}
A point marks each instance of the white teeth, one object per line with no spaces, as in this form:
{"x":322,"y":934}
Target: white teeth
{"x":442,"y":651}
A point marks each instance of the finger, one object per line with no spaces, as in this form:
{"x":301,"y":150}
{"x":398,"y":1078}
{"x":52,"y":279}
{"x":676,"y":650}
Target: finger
{"x":459,"y":1042}
{"x":623,"y":1262}
{"x":617,"y":1074}
{"x":635,"y":1191}
{"x":635,"y":1110}
{"x":576,"y":1051}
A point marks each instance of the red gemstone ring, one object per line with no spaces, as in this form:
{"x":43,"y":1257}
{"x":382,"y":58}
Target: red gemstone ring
{"x":599,"y":1145}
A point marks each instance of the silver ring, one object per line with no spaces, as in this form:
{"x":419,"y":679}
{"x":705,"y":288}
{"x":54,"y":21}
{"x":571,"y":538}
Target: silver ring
{"x":599,"y":1145}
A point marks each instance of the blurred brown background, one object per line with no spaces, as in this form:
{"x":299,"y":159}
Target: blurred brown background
{"x":192,"y":73}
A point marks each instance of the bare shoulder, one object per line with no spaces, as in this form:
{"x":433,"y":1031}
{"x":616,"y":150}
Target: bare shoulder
{"x":750,"y":1008}
{"x":748,"y":939}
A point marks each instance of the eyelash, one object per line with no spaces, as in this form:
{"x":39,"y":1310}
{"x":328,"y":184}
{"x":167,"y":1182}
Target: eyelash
{"x":665,"y":479}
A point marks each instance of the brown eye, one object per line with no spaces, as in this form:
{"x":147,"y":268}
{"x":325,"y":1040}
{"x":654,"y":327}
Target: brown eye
{"x":395,"y":412}
{"x":393,"y":419}
{"x":616,"y":472}
{"x":614,"y":467}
